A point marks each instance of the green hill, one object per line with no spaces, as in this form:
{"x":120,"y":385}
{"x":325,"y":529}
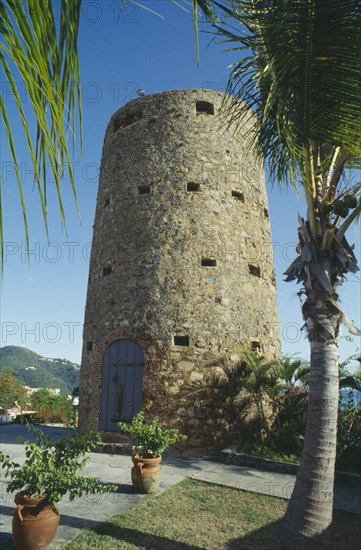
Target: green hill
{"x":36,"y":371}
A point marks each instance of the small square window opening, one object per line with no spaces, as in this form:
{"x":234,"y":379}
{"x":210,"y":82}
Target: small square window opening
{"x":209,"y":262}
{"x":144,"y":190}
{"x":238,"y":195}
{"x":193,"y":187}
{"x":125,"y":120}
{"x":254,"y":270}
{"x":255,"y":346}
{"x":107,"y":270}
{"x":204,"y":107}
{"x":181,"y":341}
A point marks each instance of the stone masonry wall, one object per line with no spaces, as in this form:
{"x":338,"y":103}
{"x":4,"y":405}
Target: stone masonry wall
{"x":182,"y":259}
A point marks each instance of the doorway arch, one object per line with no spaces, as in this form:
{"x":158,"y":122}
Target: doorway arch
{"x":121,"y":385}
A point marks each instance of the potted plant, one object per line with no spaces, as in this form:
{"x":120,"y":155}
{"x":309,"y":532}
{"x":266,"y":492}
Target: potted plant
{"x":150,"y":440}
{"x":48,"y":473}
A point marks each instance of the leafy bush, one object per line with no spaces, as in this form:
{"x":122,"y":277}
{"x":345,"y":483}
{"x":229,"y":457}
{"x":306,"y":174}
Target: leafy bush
{"x":290,"y":425}
{"x":150,"y":437}
{"x":12,"y":391}
{"x":349,"y":437}
{"x":266,"y":452}
{"x":51,"y":407}
{"x":50,"y":469}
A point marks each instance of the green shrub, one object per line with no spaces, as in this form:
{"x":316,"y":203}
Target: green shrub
{"x":349,"y":437}
{"x":290,"y":425}
{"x":12,"y":391}
{"x":267,"y":452}
{"x":51,"y":469}
{"x":150,"y":437}
{"x":50,"y":407}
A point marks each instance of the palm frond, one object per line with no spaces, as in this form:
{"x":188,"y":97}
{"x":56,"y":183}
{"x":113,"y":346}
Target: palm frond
{"x":294,"y":370}
{"x":300,"y":74}
{"x":43,"y":54}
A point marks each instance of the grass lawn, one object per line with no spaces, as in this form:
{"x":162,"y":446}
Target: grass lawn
{"x":196,"y":516}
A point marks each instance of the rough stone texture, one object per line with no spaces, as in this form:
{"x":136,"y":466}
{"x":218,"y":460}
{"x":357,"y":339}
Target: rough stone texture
{"x":177,"y":189}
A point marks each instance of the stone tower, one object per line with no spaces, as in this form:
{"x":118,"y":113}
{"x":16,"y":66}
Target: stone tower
{"x":181,"y":271}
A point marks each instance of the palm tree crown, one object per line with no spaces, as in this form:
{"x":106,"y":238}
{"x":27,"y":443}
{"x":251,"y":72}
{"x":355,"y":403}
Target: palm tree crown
{"x":41,"y":52}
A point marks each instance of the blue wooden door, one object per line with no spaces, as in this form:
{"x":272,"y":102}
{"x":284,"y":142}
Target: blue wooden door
{"x":122,"y":384}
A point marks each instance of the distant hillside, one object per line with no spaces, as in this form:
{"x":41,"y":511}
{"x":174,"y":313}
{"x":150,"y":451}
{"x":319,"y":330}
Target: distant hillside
{"x":40,"y":372}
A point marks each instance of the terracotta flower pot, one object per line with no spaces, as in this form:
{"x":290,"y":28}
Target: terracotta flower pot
{"x":35,"y":523}
{"x":146,"y":474}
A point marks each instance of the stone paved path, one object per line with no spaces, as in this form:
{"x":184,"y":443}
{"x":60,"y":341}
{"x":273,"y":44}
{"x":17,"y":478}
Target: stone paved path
{"x":91,"y":510}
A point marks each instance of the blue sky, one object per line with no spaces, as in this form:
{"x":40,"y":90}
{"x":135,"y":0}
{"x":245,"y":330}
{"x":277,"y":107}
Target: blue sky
{"x":43,"y":308}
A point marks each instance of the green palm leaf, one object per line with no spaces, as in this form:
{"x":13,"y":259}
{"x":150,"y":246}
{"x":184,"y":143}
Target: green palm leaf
{"x":302,"y":86}
{"x":43,"y":54}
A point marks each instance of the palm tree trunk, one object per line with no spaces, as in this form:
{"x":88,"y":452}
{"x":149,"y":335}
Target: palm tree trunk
{"x":309,"y":514}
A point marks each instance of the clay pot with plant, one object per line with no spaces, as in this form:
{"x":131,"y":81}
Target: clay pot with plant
{"x":150,"y":440}
{"x":48,"y":473}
